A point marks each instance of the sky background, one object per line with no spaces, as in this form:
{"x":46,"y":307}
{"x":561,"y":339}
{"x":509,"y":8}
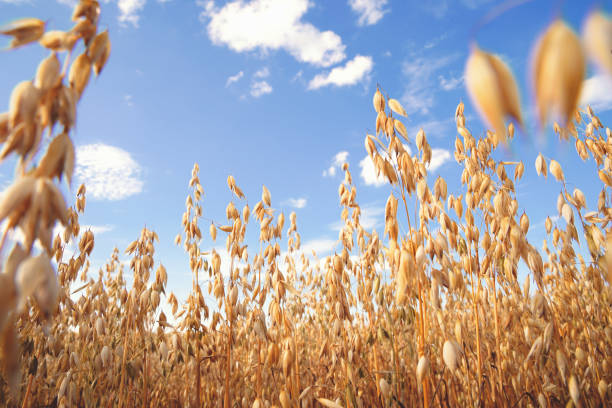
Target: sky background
{"x":279,"y":92}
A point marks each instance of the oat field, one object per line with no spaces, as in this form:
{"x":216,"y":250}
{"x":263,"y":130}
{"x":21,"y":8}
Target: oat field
{"x":430,"y":312}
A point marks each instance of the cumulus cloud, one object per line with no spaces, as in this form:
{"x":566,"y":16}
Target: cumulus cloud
{"x":370,"y":11}
{"x":264,"y":25}
{"x":438,"y":158}
{"x":260,"y":88}
{"x":234,"y":78}
{"x":349,"y":74}
{"x":370,"y":176}
{"x":297,"y":202}
{"x":337,"y":161}
{"x":108,"y":172}
{"x":597,"y":92}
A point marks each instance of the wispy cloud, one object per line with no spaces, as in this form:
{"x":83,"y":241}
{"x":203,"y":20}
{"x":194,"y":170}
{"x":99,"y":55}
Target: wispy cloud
{"x":450,"y":83}
{"x":262,"y":73}
{"x":370,"y":11}
{"x":108,"y":172}
{"x":420,"y":74}
{"x":351,"y":73}
{"x":234,"y":78}
{"x":260,"y":88}
{"x":272,"y":25}
{"x":338,"y":160}
{"x":434,"y":128}
{"x":297,"y":202}
{"x":129,"y":100}
{"x":597,"y":92}
{"x":129,"y":11}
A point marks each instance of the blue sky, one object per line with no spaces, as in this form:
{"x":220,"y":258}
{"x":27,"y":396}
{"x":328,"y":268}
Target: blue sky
{"x":279,"y":92}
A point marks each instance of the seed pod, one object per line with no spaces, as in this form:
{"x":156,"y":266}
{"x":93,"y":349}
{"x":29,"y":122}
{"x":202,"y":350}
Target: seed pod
{"x":265,"y":196}
{"x":385,"y":388}
{"x":493,"y":89}
{"x":97,"y":48}
{"x":602,"y":388}
{"x":558,"y":70}
{"x":106,"y":356}
{"x":449,"y":355}
{"x":234,"y":295}
{"x":574,"y":390}
{"x":100,"y":327}
{"x":58,"y":40}
{"x":540,"y":165}
{"x":422,"y":368}
{"x":379,"y":101}
{"x":23,"y":103}
{"x":100,"y":62}
{"x":555,"y":170}
{"x":48,"y":73}
{"x":80,"y":72}
{"x":561,"y":364}
{"x":397,"y":107}
{"x":284,"y":399}
{"x":597,"y":39}
{"x":24,"y":31}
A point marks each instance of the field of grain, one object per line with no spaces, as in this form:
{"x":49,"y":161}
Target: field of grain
{"x":431,"y":312}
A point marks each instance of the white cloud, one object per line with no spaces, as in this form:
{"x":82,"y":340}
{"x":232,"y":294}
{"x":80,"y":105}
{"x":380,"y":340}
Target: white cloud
{"x":370,"y":11}
{"x":129,"y":100}
{"x":129,"y":9}
{"x":450,"y":83}
{"x":297,"y":202}
{"x":597,"y":92}
{"x":320,"y":246}
{"x":98,"y":229}
{"x":369,"y":174}
{"x":109,"y":173}
{"x":439,"y":8}
{"x":371,"y":178}
{"x":438,"y":158}
{"x":262,"y":73}
{"x":265,"y":25}
{"x":234,"y":78}
{"x":260,"y":88}
{"x":338,"y":160}
{"x":419,"y":73}
{"x":368,"y":171}
{"x":349,"y":74}
{"x":371,"y":217}
{"x":331,"y":172}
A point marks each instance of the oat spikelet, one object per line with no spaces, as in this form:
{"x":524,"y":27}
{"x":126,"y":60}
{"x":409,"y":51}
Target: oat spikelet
{"x":597,"y":39}
{"x":493,"y":89}
{"x":558,"y":70}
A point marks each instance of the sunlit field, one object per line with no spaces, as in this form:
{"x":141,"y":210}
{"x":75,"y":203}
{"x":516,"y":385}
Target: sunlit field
{"x":447,"y":304}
